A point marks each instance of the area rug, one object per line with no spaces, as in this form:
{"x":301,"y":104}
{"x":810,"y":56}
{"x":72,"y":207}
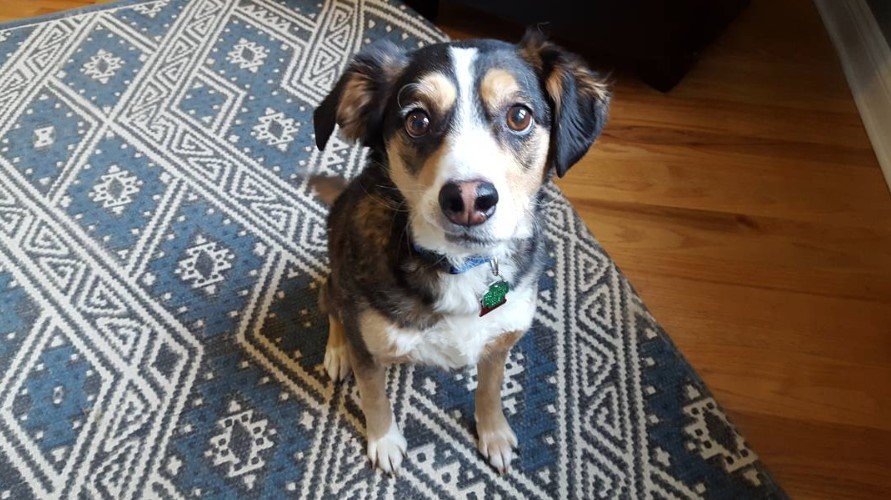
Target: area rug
{"x":160,"y":256}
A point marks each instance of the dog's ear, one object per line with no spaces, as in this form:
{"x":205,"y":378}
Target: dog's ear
{"x":358,"y":99}
{"x":579,"y":98}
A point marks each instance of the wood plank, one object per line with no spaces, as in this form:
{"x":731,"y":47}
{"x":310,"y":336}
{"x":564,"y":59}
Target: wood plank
{"x":817,"y":460}
{"x":760,"y":251}
{"x":12,"y":10}
{"x":788,"y":354}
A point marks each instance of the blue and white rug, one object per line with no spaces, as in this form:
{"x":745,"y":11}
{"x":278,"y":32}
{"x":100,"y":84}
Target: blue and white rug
{"x":160,"y":254}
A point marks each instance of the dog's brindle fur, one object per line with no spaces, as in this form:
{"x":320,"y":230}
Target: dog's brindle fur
{"x":390,"y":297}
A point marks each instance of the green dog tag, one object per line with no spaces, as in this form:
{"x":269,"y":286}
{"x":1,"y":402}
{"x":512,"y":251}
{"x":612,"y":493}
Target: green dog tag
{"x":494,"y":297}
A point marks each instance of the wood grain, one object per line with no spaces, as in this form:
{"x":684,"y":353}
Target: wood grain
{"x":749,"y":211}
{"x":19,"y":9}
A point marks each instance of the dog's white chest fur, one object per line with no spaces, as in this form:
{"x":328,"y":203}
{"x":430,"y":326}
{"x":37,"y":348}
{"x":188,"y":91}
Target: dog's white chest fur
{"x":461,"y":337}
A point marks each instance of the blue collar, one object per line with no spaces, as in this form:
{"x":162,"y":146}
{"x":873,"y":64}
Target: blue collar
{"x":468,"y":264}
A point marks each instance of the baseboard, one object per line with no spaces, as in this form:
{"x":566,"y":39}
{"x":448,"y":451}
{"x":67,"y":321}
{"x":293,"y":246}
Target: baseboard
{"x":866,"y":60}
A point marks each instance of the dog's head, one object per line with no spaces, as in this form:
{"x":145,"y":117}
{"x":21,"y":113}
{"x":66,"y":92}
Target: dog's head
{"x":470,"y":131}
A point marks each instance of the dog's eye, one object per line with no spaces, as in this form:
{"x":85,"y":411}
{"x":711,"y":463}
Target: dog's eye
{"x":417,"y":123}
{"x":519,"y":118}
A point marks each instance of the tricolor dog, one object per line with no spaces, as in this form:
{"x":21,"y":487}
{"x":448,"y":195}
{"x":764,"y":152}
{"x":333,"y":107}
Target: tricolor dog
{"x":436,"y":247}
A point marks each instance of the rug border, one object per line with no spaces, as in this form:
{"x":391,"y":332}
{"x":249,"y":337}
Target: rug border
{"x":28,"y":21}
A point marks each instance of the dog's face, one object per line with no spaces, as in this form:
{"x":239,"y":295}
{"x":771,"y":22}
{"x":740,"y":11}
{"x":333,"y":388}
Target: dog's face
{"x":470,"y":131}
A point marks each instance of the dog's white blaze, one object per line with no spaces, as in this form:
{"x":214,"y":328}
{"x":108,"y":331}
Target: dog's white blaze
{"x":471,"y":148}
{"x":462,"y":65}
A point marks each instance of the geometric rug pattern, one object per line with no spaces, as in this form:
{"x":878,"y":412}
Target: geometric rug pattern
{"x":160,"y":258}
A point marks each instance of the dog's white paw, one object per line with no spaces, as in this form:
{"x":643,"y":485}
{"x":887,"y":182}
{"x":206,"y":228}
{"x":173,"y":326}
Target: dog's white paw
{"x":497,"y":443}
{"x":387,"y":451}
{"x":337,"y":362}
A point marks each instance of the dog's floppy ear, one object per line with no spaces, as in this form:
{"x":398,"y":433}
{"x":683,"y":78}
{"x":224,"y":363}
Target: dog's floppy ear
{"x":579,"y":98}
{"x":357,"y":101}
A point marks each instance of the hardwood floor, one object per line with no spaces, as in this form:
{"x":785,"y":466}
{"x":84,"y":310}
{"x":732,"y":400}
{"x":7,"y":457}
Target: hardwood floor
{"x":748,"y":209}
{"x":18,"y":9}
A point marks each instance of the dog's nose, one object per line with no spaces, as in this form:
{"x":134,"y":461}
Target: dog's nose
{"x":468,"y":203}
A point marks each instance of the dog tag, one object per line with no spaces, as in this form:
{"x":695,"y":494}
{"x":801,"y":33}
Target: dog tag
{"x":494,"y":297}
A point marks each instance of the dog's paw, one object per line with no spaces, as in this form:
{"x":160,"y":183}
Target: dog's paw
{"x":387,"y":451}
{"x":337,"y":362}
{"x":497,"y":444}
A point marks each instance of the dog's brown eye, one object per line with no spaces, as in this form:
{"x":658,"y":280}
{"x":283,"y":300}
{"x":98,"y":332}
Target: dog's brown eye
{"x":519,"y":118}
{"x":417,"y":123}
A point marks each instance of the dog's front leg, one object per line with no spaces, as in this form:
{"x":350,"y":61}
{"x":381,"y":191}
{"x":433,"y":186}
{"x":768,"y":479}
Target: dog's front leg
{"x":496,"y":439}
{"x":386,"y":445}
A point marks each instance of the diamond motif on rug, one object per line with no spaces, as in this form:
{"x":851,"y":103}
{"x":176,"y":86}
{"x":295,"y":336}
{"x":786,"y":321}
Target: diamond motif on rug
{"x":116,"y":189}
{"x":275,"y":129}
{"x":204,"y":264}
{"x":247,"y":55}
{"x":241,"y":443}
{"x":102,"y":66}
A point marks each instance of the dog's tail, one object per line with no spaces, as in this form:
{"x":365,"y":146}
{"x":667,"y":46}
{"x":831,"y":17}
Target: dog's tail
{"x":328,"y":188}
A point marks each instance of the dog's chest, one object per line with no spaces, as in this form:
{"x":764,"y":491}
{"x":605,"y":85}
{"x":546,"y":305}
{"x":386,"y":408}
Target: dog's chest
{"x":462,"y":335}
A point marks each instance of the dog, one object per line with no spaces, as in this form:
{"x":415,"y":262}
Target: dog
{"x":436,"y":247}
